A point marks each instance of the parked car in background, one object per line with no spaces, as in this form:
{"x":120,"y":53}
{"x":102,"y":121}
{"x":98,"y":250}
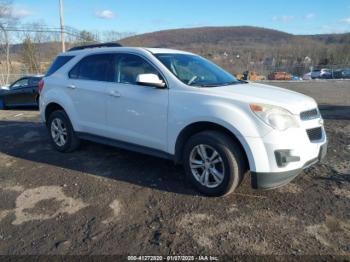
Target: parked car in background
{"x":4,"y":87}
{"x":23,"y":92}
{"x":341,"y":73}
{"x":346,"y":73}
{"x":295,"y":78}
{"x":307,"y":76}
{"x":338,"y":74}
{"x":251,"y":76}
{"x":321,"y":74}
{"x":279,"y":75}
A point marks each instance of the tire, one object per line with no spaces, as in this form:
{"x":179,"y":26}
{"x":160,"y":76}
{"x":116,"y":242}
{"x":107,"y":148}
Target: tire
{"x":232,"y":166}
{"x":71,"y":141}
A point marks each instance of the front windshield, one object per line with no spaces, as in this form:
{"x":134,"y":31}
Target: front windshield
{"x":196,"y":71}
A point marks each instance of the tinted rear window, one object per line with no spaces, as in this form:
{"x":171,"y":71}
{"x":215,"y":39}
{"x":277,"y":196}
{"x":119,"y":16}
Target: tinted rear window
{"x":99,"y":67}
{"x":58,"y":63}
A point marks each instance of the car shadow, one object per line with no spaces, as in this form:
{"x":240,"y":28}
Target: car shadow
{"x":22,"y":108}
{"x":337,"y":178}
{"x":335,"y":112}
{"x":30,"y":141}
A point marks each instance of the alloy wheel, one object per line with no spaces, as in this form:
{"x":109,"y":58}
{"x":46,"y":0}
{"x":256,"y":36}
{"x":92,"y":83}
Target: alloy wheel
{"x":207,"y":166}
{"x":59,"y":132}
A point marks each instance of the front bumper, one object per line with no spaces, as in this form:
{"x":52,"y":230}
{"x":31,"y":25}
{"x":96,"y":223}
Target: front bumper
{"x":278,"y":179}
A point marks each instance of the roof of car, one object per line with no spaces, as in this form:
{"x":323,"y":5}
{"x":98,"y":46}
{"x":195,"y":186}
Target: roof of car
{"x":115,"y":49}
{"x":32,"y":76}
{"x":165,"y":51}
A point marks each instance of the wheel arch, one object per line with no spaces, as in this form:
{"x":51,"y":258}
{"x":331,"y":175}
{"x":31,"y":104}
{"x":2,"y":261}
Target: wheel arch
{"x":198,"y":127}
{"x":52,"y":107}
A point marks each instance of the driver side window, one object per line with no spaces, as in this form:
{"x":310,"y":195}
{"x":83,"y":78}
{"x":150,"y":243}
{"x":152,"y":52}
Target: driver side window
{"x":20,"y":83}
{"x":130,"y":66}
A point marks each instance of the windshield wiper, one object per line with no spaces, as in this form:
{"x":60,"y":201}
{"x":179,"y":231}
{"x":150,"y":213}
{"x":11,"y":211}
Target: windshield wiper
{"x":208,"y":85}
{"x":234,"y":83}
{"x":223,"y":84}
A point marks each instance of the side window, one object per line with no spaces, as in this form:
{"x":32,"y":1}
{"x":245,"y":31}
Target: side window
{"x":20,"y":83}
{"x":130,"y":66}
{"x":94,"y":67}
{"x":58,"y":63}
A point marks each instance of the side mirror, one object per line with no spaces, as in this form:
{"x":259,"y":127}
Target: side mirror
{"x":150,"y":80}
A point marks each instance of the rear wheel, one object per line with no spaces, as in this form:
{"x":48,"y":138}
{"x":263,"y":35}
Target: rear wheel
{"x":62,"y":134}
{"x":214,"y":163}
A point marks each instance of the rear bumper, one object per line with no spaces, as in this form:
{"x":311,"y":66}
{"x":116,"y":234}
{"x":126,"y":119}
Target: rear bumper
{"x":278,"y":179}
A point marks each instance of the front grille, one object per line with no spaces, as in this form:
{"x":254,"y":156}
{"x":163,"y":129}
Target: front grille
{"x":315,"y":134}
{"x":310,"y":114}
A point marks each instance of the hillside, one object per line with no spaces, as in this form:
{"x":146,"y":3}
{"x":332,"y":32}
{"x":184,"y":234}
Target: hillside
{"x":253,"y":48}
{"x":208,"y":35}
{"x":223,"y":35}
{"x":332,"y":38}
{"x":235,"y":48}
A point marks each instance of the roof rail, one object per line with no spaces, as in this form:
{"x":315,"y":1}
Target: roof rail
{"x":95,"y":46}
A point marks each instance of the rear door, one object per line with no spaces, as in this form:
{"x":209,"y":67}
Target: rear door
{"x":87,"y":86}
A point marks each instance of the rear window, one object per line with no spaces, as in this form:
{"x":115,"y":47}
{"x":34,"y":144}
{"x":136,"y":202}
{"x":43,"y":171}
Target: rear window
{"x":99,"y":67}
{"x":58,"y":63}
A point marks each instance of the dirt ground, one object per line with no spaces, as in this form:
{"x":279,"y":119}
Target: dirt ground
{"x":102,"y":200}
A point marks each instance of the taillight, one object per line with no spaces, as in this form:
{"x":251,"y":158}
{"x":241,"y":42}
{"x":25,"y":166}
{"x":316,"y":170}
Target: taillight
{"x":40,"y":86}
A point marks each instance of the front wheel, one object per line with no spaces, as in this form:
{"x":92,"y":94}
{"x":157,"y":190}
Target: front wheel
{"x":214,"y":163}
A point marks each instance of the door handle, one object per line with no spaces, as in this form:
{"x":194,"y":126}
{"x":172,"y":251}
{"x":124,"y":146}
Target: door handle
{"x":114,"y":93}
{"x":71,"y":86}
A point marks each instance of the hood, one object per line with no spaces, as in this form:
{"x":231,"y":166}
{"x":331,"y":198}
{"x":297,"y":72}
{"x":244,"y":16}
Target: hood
{"x":265,"y":94}
{"x":2,"y":91}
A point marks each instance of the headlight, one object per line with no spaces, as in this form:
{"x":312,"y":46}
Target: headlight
{"x":274,"y":116}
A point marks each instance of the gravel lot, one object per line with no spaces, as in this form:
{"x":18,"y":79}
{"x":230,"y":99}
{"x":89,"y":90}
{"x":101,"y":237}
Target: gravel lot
{"x":102,"y":200}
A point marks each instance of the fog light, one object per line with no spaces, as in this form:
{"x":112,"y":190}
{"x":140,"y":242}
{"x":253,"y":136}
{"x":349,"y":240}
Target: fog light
{"x":284,"y":157}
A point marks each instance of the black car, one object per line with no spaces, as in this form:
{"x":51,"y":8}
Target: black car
{"x":23,"y":92}
{"x":342,"y":73}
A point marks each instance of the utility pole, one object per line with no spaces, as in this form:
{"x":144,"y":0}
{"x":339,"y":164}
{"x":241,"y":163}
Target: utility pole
{"x":62,"y":27}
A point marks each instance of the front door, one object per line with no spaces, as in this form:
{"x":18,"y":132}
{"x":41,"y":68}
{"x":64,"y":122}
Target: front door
{"x":137,"y":114}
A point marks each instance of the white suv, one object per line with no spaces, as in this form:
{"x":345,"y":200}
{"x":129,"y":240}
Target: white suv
{"x":182,"y":107}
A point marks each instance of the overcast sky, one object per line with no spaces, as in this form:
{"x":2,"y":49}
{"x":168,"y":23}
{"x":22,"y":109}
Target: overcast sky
{"x":292,"y":16}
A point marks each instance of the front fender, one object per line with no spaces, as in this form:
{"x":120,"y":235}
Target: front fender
{"x":235,"y":117}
